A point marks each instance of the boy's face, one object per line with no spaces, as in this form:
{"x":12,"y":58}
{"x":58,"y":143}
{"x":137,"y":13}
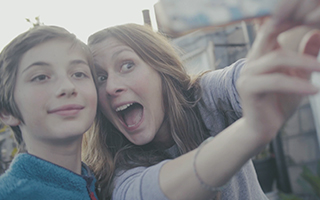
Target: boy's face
{"x":55,"y":92}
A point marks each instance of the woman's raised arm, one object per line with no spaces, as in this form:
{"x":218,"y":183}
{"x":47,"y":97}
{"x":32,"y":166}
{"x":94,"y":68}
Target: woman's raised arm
{"x":271,"y":86}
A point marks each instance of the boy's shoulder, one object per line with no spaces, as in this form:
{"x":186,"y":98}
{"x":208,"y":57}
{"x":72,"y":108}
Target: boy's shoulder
{"x":31,"y":178}
{"x":13,"y":183}
{"x":17,"y":183}
{"x":13,"y":187}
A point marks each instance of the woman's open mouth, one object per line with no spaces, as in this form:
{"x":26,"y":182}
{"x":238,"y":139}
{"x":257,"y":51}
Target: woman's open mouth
{"x":130,"y":114}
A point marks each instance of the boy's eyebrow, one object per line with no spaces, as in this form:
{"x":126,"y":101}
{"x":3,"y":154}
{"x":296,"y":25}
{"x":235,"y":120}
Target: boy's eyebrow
{"x":40,"y":63}
{"x":78,"y":61}
{"x":36,"y":63}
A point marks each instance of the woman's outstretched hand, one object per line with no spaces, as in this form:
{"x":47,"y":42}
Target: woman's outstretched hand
{"x":271,"y":86}
{"x":274,"y":80}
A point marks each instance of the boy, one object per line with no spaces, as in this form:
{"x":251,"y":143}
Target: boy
{"x":48,"y":98}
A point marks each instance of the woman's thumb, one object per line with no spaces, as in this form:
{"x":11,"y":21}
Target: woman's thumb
{"x":310,"y":43}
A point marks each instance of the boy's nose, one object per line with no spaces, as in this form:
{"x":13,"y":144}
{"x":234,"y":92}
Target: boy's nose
{"x":66,"y":88}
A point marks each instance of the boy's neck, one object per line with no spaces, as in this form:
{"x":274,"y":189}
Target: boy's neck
{"x":67,"y":156}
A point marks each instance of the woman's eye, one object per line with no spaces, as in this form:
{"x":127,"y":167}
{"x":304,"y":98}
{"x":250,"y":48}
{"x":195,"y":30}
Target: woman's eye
{"x":39,"y":78}
{"x":127,"y":66}
{"x":102,"y":78}
{"x":79,"y":75}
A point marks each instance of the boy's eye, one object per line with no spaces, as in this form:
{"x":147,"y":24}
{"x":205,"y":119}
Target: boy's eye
{"x":79,"y":75}
{"x":127,"y":66}
{"x":41,"y":77}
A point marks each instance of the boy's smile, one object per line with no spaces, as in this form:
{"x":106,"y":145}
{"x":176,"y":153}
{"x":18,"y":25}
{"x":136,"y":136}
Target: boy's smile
{"x":55,"y":92}
{"x":67,"y":110}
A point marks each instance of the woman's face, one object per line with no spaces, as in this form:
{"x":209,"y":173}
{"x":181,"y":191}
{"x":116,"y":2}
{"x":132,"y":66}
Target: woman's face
{"x":130,"y":91}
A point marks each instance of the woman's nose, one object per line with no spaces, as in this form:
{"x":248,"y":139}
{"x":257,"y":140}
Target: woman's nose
{"x":115,"y":86}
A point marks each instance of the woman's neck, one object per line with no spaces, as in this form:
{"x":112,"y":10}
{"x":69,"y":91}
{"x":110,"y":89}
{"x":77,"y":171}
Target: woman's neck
{"x":163,"y":138}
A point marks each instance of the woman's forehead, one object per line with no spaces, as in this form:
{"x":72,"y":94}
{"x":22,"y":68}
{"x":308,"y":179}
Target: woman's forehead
{"x":110,"y":47}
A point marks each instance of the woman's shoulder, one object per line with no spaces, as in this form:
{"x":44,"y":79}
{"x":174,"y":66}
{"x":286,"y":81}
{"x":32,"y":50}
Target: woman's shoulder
{"x":228,"y":71}
{"x":138,"y":182}
{"x":122,"y":174}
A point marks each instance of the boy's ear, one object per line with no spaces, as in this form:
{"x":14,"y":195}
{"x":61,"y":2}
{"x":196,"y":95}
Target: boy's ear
{"x":310,"y":43}
{"x":9,"y":119}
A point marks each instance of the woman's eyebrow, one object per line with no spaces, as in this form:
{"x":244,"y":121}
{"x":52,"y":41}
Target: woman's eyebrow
{"x":98,"y":67}
{"x":121,"y":51}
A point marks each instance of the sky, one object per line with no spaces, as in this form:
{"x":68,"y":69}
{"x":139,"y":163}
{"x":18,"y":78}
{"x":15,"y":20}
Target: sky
{"x":81,"y":17}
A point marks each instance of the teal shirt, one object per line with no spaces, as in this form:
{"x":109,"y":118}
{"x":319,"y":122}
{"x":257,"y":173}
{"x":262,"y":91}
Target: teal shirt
{"x":32,"y":178}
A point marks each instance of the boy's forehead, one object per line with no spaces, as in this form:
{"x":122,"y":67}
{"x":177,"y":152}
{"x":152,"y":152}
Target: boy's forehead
{"x":52,"y":51}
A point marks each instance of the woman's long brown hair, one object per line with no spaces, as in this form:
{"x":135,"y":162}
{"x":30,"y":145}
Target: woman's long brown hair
{"x":106,"y":149}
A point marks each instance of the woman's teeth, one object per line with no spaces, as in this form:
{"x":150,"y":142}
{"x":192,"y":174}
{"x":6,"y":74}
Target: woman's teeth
{"x":123,"y":107}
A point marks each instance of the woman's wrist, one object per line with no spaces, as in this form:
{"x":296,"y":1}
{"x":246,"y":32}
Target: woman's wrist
{"x":202,"y":183}
{"x":258,"y":135}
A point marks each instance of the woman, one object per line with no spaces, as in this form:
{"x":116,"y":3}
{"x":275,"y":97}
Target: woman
{"x":153,"y":112}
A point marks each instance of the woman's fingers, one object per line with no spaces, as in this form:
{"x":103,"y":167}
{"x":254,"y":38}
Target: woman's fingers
{"x":280,"y":61}
{"x":275,"y":83}
{"x":297,"y":11}
{"x":313,"y":18}
{"x":267,"y":38}
{"x":288,"y":14}
{"x":310,"y":43}
{"x":305,"y":7}
{"x":285,"y":10}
